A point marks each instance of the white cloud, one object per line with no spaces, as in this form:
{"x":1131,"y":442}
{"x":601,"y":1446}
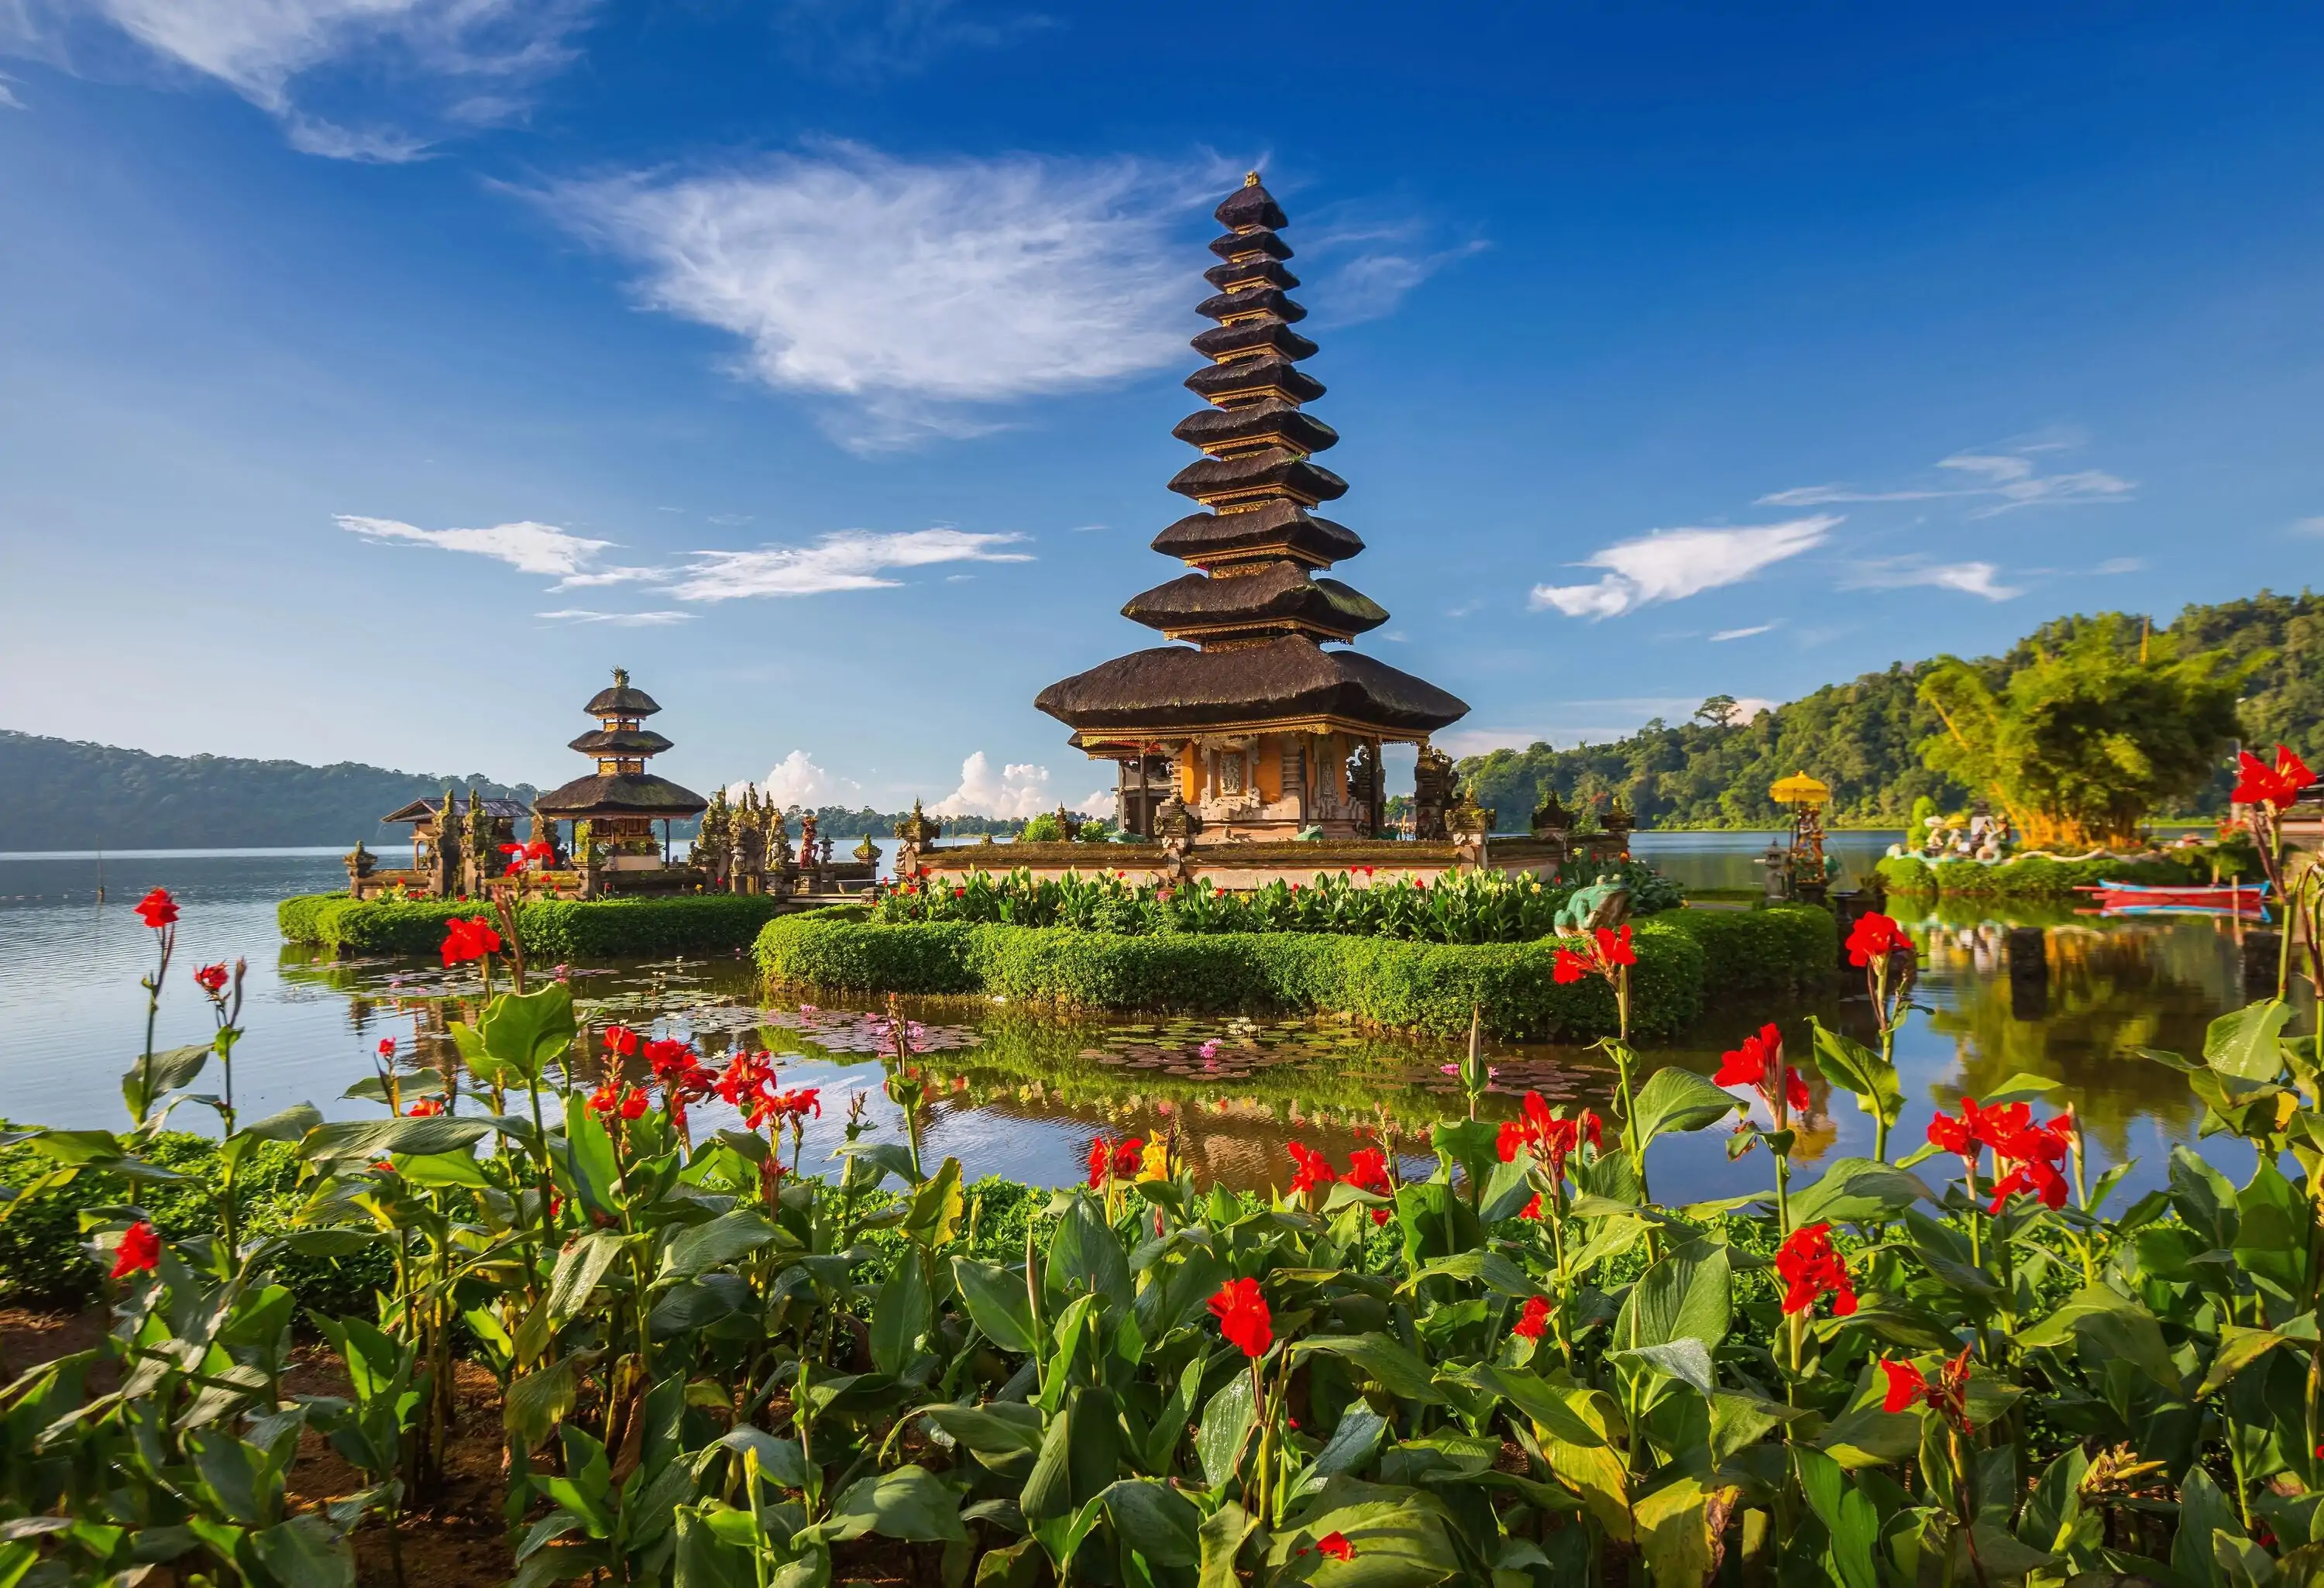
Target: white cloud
{"x":2122,"y":564}
{"x":796,"y":779}
{"x":1670,"y":565}
{"x":1725,"y":634}
{"x":2004,"y":482}
{"x":457,"y":64}
{"x":913,"y":288}
{"x":1748,"y":706}
{"x":1970,"y":578}
{"x":1019,"y":789}
{"x":619,"y":620}
{"x":1372,"y":284}
{"x":526,"y":546}
{"x":852,"y":559}
{"x":8,"y":100}
{"x":2307,"y":526}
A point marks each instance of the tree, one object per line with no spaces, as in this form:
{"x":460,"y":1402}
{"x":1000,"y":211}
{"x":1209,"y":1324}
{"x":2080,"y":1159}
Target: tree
{"x":2083,"y":737}
{"x":1718,"y":712}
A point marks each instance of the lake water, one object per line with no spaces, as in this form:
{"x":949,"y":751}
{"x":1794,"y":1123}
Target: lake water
{"x":1021,"y":1093}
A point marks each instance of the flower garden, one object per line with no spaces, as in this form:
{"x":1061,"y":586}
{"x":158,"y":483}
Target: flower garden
{"x":697,"y":1358}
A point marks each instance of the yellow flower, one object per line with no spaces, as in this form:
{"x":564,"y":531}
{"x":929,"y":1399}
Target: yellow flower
{"x":1155,"y":1164}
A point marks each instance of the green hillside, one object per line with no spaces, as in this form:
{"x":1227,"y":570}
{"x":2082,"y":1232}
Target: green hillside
{"x":1863,"y":737}
{"x":65,"y":794}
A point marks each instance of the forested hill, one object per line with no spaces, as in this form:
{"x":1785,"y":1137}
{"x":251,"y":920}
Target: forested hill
{"x":1863,"y":737}
{"x":63,"y":794}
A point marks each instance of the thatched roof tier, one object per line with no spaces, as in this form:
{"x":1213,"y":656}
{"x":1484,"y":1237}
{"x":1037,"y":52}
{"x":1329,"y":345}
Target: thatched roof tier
{"x":1273,"y":685}
{"x":1250,"y":207}
{"x":1227,"y":275}
{"x":1272,"y":596}
{"x":1245,"y":245}
{"x":620,"y":742}
{"x":1254,"y":336}
{"x":1244,"y":380}
{"x":1272,"y":422}
{"x":1249,"y":303}
{"x":621,"y":700}
{"x":1270,"y":475}
{"x":1273,"y":528}
{"x":621,"y":794}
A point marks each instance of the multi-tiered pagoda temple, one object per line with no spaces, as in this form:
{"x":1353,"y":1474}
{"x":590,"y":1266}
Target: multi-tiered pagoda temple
{"x":622,"y":800}
{"x":1252,"y":728}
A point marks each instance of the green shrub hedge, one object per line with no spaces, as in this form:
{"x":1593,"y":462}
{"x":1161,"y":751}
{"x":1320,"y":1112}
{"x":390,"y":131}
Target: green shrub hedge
{"x":1427,"y":986}
{"x":550,"y":929}
{"x":2034,"y":876}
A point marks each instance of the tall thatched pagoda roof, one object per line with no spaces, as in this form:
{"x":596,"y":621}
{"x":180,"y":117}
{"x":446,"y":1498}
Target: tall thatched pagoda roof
{"x":1259,"y":616}
{"x":621,"y":786}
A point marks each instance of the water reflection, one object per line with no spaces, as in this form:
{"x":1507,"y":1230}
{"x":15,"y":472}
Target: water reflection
{"x":1022,"y":1093}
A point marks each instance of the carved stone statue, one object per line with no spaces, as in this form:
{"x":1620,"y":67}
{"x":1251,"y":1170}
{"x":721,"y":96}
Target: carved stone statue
{"x":1432,"y":794}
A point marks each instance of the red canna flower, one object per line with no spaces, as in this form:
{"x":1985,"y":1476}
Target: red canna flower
{"x":1368,"y":1171}
{"x":1243,"y":1318}
{"x":620,"y":1042}
{"x":1311,"y":1169}
{"x":1947,"y":1395}
{"x":139,"y":1252}
{"x":1533,"y":1320}
{"x":387,"y":1047}
{"x":2034,"y":1177}
{"x":1533,"y":1209}
{"x":1810,"y":1268}
{"x":2276,"y":787}
{"x":514,"y":868}
{"x":540,"y":849}
{"x":1957,"y":1136}
{"x":211,"y":979}
{"x":1129,"y":1157}
{"x":1875,"y":937}
{"x":425,"y":1108}
{"x":1614,"y":946}
{"x":158,"y":910}
{"x":613,"y":1098}
{"x":1760,"y":1063}
{"x":468,"y":939}
{"x":1570,"y":967}
{"x":1334,"y":1546}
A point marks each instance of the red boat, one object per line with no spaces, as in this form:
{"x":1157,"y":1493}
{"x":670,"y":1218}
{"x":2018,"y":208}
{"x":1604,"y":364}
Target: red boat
{"x":2228,"y":898}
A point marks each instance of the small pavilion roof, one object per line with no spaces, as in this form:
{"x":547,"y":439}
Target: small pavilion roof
{"x":1204,"y":538}
{"x":498,"y":806}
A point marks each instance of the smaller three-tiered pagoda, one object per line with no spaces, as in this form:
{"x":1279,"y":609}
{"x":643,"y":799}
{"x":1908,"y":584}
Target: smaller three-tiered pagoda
{"x":622,"y":800}
{"x":1259,"y":725}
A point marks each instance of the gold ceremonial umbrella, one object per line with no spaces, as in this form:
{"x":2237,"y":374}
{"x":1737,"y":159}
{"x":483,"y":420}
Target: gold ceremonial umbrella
{"x":1799,"y":789}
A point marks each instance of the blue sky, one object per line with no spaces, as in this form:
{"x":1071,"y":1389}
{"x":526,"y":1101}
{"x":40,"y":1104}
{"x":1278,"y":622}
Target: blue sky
{"x":377,"y":373}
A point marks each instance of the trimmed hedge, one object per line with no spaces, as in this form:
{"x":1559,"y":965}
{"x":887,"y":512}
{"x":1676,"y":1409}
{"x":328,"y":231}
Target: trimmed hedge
{"x":2031,"y":876}
{"x":550,"y":929}
{"x":1427,"y":986}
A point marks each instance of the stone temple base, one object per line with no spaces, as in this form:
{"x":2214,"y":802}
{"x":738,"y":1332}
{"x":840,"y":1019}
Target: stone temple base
{"x":1240,"y":867}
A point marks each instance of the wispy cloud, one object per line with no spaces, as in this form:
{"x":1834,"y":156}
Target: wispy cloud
{"x":852,"y":559}
{"x":1726,"y":634}
{"x":8,"y":100}
{"x":1466,"y":609}
{"x":526,"y":546}
{"x":444,"y":66}
{"x":619,"y":620}
{"x":1970,"y":578}
{"x":872,"y":39}
{"x":1670,"y":565}
{"x":922,"y":293}
{"x":2122,"y":564}
{"x":2001,"y":482}
{"x":2307,"y":526}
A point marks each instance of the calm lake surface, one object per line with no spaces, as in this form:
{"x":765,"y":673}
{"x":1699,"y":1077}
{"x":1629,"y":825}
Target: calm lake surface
{"x":1022,"y":1093}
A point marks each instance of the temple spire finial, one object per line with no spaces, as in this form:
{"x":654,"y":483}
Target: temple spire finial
{"x":1250,"y":179}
